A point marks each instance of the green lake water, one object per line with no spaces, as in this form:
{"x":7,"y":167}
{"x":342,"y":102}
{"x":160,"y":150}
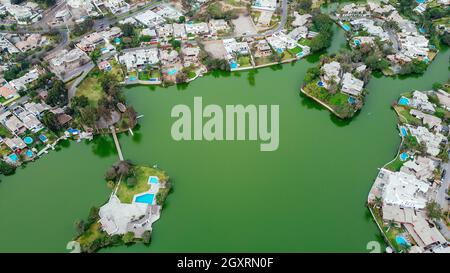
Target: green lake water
{"x":308,"y":196}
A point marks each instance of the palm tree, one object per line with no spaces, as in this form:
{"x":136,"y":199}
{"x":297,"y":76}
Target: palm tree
{"x":377,"y":202}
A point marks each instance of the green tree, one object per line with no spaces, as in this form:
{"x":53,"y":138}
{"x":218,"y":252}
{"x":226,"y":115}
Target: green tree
{"x":304,"y":4}
{"x":434,"y":211}
{"x":128,"y":238}
{"x":147,"y":237}
{"x":80,"y":227}
{"x":6,"y":169}
{"x":50,"y":120}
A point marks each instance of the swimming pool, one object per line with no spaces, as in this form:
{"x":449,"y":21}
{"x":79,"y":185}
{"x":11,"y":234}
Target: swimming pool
{"x":421,"y":1}
{"x":43,"y":138}
{"x":357,"y":42}
{"x":404,"y":156}
{"x":73,"y":131}
{"x":13,"y":157}
{"x":28,"y":140}
{"x":132,"y":78}
{"x":280,"y":50}
{"x":403,"y":101}
{"x":351,"y":100}
{"x":145,"y":198}
{"x":29,"y":153}
{"x":401,"y":240}
{"x":345,"y":27}
{"x":404,"y":132}
{"x":153,"y":179}
{"x":171,"y":72}
{"x":233,"y":65}
{"x":320,"y":83}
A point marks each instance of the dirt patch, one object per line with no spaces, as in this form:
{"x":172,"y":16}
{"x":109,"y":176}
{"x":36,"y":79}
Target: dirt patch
{"x":215,"y":48}
{"x":244,"y":25}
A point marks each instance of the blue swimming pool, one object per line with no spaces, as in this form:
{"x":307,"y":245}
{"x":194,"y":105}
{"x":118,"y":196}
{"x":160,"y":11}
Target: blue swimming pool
{"x":133,"y":78}
{"x":346,"y":27}
{"x":13,"y":157}
{"x":145,"y":198}
{"x":29,"y":153}
{"x":403,"y":101}
{"x":421,"y":1}
{"x":401,"y":240}
{"x":153,"y":180}
{"x":422,"y":30}
{"x":357,"y":42}
{"x":404,"y":156}
{"x":28,"y":140}
{"x":43,"y":138}
{"x":280,"y":50}
{"x":320,"y":83}
{"x":171,"y":72}
{"x":351,"y":100}
{"x":73,"y":131}
{"x":233,"y":65}
{"x":404,"y":132}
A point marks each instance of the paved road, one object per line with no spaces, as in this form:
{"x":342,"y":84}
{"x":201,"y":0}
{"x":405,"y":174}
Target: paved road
{"x":441,"y":193}
{"x":73,"y":87}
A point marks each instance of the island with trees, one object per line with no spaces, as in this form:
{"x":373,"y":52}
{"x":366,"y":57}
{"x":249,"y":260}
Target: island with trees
{"x":139,"y":194}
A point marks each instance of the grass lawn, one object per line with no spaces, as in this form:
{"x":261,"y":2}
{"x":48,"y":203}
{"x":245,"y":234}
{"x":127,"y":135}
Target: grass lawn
{"x":338,"y":99}
{"x":295,"y":50}
{"x":395,"y":165}
{"x":144,"y":75}
{"x":92,"y":234}
{"x":305,"y":42}
{"x":264,"y":60}
{"x":405,"y":116}
{"x":244,"y":61}
{"x":92,"y":89}
{"x":191,"y":74}
{"x":286,"y":56}
{"x":4,"y":150}
{"x":155,"y":74}
{"x":142,"y":173}
{"x":116,"y":70}
{"x":4,"y":132}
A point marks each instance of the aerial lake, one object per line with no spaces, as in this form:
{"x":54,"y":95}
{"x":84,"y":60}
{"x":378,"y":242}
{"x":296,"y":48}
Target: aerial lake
{"x":307,"y":196}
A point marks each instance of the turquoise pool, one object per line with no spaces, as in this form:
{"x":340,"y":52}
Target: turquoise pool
{"x":43,"y":138}
{"x":404,"y":156}
{"x":13,"y":157}
{"x":145,"y":198}
{"x":403,"y":101}
{"x":346,"y":27}
{"x":404,"y":132}
{"x":28,"y":140}
{"x":401,"y":240}
{"x":171,"y":72}
{"x":351,"y":100}
{"x":29,"y":153}
{"x":153,"y":180}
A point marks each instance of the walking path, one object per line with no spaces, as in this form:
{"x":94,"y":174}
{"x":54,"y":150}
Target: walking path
{"x":116,"y":141}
